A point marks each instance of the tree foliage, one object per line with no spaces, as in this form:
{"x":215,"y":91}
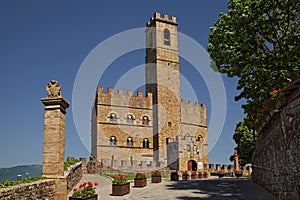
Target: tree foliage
{"x":244,"y":138}
{"x":259,"y":42}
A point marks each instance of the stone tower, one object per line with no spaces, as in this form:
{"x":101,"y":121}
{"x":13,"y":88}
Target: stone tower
{"x":163,"y":81}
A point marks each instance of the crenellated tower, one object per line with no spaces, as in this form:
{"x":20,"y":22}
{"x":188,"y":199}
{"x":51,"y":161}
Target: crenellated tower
{"x":163,"y":81}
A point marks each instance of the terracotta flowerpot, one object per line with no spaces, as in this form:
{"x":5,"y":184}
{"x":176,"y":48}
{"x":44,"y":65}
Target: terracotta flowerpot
{"x":200,"y":176}
{"x":155,"y":179}
{"x":185,"y":177}
{"x":94,"y":197}
{"x":120,"y":190}
{"x":140,"y":182}
{"x":205,"y":176}
{"x":193,"y":177}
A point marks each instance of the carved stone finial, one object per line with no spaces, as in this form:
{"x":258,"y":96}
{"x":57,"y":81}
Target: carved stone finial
{"x":53,"y":89}
{"x":235,"y":152}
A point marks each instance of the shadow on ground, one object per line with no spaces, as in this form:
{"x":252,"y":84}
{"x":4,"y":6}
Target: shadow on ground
{"x":209,"y":189}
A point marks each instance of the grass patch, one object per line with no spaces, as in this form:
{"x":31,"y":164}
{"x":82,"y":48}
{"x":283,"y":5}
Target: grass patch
{"x":7,"y":183}
{"x":69,"y":163}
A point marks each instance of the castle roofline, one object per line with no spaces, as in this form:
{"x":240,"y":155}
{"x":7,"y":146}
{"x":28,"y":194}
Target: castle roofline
{"x":184,"y":102}
{"x":165,"y":18}
{"x":120,"y":93}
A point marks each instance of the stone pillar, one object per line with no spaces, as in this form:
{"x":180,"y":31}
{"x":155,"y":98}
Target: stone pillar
{"x":84,"y":166}
{"x":236,"y":160}
{"x":54,"y":137}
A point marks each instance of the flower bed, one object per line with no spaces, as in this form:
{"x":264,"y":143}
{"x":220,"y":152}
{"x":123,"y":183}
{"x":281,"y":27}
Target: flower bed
{"x":85,"y":190}
{"x":238,"y":173}
{"x":140,"y":179}
{"x":155,"y":176}
{"x":185,"y":175}
{"x":120,"y":185}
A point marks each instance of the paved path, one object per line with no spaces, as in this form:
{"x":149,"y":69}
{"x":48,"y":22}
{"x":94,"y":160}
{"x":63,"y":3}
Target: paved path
{"x":211,"y":188}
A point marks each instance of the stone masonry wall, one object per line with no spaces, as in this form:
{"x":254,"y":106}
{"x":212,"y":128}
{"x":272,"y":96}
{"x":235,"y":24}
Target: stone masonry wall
{"x":73,"y":175}
{"x":276,"y":157}
{"x":44,"y":189}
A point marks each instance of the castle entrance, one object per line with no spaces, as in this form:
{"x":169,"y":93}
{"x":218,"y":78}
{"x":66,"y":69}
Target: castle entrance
{"x":192,"y":165}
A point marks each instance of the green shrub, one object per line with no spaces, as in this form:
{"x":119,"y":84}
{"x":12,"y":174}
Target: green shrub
{"x":69,"y":163}
{"x":26,"y":180}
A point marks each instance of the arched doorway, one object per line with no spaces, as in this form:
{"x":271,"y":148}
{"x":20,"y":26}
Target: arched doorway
{"x":192,"y":165}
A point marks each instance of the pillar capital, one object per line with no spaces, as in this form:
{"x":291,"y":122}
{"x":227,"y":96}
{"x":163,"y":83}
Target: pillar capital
{"x":55,"y":103}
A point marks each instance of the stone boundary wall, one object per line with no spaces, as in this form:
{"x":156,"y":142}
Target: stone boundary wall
{"x":276,"y":157}
{"x":101,"y":167}
{"x":73,"y":175}
{"x":43,"y":189}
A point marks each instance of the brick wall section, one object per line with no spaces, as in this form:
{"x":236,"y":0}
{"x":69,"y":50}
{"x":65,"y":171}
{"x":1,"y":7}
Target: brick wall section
{"x":73,"y":175}
{"x":277,"y":152}
{"x":44,"y":189}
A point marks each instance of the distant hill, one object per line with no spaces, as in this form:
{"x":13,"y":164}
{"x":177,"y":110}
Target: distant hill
{"x":12,"y":172}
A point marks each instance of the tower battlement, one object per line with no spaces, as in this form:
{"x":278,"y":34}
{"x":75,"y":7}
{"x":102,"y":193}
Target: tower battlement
{"x":189,"y":103}
{"x":193,"y":112}
{"x":164,"y":18}
{"x":122,"y":99}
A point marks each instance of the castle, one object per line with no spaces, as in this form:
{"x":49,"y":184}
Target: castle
{"x":157,"y":128}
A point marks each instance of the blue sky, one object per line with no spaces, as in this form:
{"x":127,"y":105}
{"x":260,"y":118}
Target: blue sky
{"x":45,"y":40}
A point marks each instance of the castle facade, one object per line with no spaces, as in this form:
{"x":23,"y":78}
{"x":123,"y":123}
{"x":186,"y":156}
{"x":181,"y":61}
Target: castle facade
{"x":157,"y":128}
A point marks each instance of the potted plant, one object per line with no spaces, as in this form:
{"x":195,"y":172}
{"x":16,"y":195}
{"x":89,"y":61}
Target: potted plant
{"x":85,"y":191}
{"x":193,"y":175}
{"x":199,"y":174}
{"x":220,"y":173}
{"x":140,"y":179}
{"x":155,"y":176}
{"x":205,"y":174}
{"x":120,"y":185}
{"x":185,"y":175}
{"x":238,"y":173}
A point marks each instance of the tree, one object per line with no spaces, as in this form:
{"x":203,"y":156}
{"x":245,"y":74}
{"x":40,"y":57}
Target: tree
{"x":244,"y":138}
{"x":259,"y":42}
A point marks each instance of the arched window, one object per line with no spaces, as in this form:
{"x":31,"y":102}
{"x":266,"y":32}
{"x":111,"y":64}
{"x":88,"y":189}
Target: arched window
{"x":113,"y":141}
{"x":199,"y":138}
{"x":113,"y":117}
{"x":186,"y":136}
{"x":129,"y":142}
{"x":146,"y":143}
{"x":168,"y":140}
{"x":145,"y":121}
{"x":167,"y":37}
{"x":129,"y":119}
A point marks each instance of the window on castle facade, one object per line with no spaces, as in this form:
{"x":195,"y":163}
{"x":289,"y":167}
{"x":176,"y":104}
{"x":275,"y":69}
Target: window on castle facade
{"x":113,"y":141}
{"x":146,"y":143}
{"x":129,"y":119}
{"x":113,"y":117}
{"x":145,"y":121}
{"x":167,"y":37}
{"x":186,"y":136}
{"x":129,"y":142}
{"x":199,"y":138}
{"x":168,"y":140}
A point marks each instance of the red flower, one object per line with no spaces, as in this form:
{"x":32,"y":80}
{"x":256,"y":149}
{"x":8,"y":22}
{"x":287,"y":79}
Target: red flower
{"x":96,"y":184}
{"x":81,"y":185}
{"x":121,"y":177}
{"x":75,"y":190}
{"x":90,"y":184}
